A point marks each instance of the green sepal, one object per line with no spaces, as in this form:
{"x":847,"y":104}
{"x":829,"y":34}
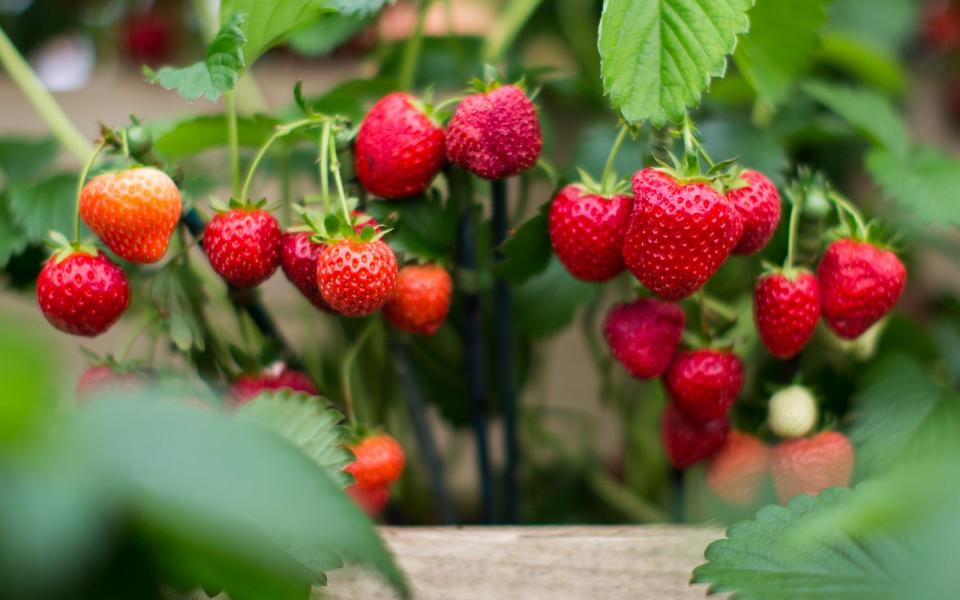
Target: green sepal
{"x":64,"y":248}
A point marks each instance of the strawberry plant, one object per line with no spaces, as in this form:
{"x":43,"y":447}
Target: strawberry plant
{"x":716,"y":211}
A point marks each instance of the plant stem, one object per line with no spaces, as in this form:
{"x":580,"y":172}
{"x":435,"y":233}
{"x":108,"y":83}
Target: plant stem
{"x":411,"y":51}
{"x":282,"y":130}
{"x":234,"y":143}
{"x":347,"y":365}
{"x":45,"y":105}
{"x":80,"y":181}
{"x":795,"y":207}
{"x":851,"y":210}
{"x":612,"y":157}
{"x":718,"y":307}
{"x":127,"y":347}
{"x":335,"y":168}
{"x":325,"y":167}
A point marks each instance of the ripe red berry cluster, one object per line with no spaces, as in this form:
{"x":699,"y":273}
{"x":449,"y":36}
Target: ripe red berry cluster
{"x":379,"y":462}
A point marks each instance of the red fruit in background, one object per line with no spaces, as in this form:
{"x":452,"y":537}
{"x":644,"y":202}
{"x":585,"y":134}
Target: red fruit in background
{"x":859,"y":284}
{"x":736,"y":473}
{"x":587,"y":231}
{"x":398,"y":149}
{"x":105,"y":379}
{"x":703,"y":384}
{"x":759,"y":206}
{"x":82,"y":294}
{"x":298,"y":259}
{"x":148,"y":38}
{"x":688,"y":442}
{"x":679,"y":233}
{"x":786,"y":311}
{"x":357,"y":278}
{"x":134,"y":212}
{"x":421,"y":300}
{"x":644,"y":334}
{"x":495,"y":134}
{"x":940,"y":25}
{"x":247,"y":387}
{"x":811,"y":465}
{"x":379,"y":461}
{"x":243,"y":246}
{"x":371,"y":499}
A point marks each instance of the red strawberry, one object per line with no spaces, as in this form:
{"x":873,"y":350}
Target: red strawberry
{"x":105,"y":379}
{"x":298,"y":258}
{"x":587,"y":230}
{"x":372,"y":499}
{"x":736,"y":473}
{"x":243,"y":245}
{"x":379,"y":461}
{"x":704,"y":383}
{"x":811,"y":465}
{"x":398,"y":149}
{"x":278,"y":377}
{"x":133,"y":212}
{"x":421,"y":300}
{"x":148,"y":38}
{"x":357,"y":278}
{"x":495,"y":134}
{"x":759,"y":206}
{"x":82,"y":293}
{"x":859,"y":284}
{"x":940,"y":27}
{"x":644,"y":334}
{"x":786,"y":310}
{"x":679,"y":233}
{"x":688,"y":442}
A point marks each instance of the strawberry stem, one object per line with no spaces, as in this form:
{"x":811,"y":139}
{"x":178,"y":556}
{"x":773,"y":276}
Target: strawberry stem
{"x":796,"y":205}
{"x":612,"y":157}
{"x":83,"y":178}
{"x":128,"y":346}
{"x":692,"y":148}
{"x":281,"y":131}
{"x":233,"y":141}
{"x":335,"y":168}
{"x":411,"y":51}
{"x":842,"y":203}
{"x":347,"y":365}
{"x":325,"y":167}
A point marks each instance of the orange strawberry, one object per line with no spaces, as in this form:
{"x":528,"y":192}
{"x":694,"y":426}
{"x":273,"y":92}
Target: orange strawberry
{"x":133,"y":212}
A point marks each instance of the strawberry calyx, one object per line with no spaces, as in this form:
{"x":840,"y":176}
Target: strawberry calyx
{"x":437,"y":113}
{"x":791,"y":272}
{"x":609,"y":186}
{"x":64,"y":248}
{"x":332,"y":225}
{"x":235,"y":204}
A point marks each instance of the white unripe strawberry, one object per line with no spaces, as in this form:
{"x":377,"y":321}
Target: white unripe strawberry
{"x":792,"y":412}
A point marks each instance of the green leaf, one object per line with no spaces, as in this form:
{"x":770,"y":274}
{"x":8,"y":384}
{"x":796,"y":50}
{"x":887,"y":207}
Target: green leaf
{"x":783,"y":35}
{"x":24,"y":158}
{"x":326,"y":34}
{"x":12,"y":238}
{"x":178,"y":298}
{"x":872,"y":66}
{"x":28,"y":378}
{"x":887,"y":27}
{"x":180,"y":138}
{"x":730,"y":136}
{"x":45,"y":206}
{"x":267,"y":22}
{"x":761,"y":559}
{"x":866,"y":111}
{"x":423,"y":227}
{"x":526,"y":252}
{"x":658,"y":57}
{"x":232,"y":505}
{"x":308,"y":422}
{"x":217,"y":73}
{"x":547,"y":302}
{"x":925,"y":181}
{"x":358,"y":8}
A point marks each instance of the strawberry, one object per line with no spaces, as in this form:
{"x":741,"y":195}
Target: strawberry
{"x":792,"y":412}
{"x":243,"y":245}
{"x":811,"y":465}
{"x":736,"y":472}
{"x":372,"y":499}
{"x":133,"y":212}
{"x":688,"y":442}
{"x":105,"y":379}
{"x":786,"y":308}
{"x":759,"y":206}
{"x":82,"y":292}
{"x":355,"y":277}
{"x":644,"y":334}
{"x":679,"y":233}
{"x":298,"y":259}
{"x":587,"y":230}
{"x":495,"y":134}
{"x":277,"y":377}
{"x":379,"y":461}
{"x":859,"y":284}
{"x":398,"y":149}
{"x":703,"y":384}
{"x":421,"y":300}
{"x":940,"y":25}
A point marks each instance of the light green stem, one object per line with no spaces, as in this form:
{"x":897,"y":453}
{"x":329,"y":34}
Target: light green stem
{"x":347,"y":365}
{"x":80,"y":181}
{"x":335,"y":168}
{"x":325,"y":167}
{"x":411,"y":52}
{"x":795,"y":209}
{"x":851,"y":210}
{"x":281,"y":131}
{"x":612,"y":157}
{"x":234,"y":143}
{"x":45,"y":105}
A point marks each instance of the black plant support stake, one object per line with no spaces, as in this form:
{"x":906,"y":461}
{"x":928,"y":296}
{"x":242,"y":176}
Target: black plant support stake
{"x":503,"y":315}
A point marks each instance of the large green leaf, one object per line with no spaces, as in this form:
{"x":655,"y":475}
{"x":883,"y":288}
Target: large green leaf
{"x":45,"y":206}
{"x":178,"y":299}
{"x":326,"y":33}
{"x":729,"y":136}
{"x":424,"y":227}
{"x":926,"y":182}
{"x":887,"y":25}
{"x":547,"y":302}
{"x":179,"y":138}
{"x":862,"y":61}
{"x":527,"y":251}
{"x":761,"y":559}
{"x":23,"y":158}
{"x":12,"y":238}
{"x":216,"y":73}
{"x":783,"y":35}
{"x":866,"y":111}
{"x":308,"y":422}
{"x":657,"y":56}
{"x":266,"y":22}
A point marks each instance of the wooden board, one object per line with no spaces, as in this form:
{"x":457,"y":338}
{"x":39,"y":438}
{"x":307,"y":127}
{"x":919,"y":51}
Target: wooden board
{"x":531,"y":563}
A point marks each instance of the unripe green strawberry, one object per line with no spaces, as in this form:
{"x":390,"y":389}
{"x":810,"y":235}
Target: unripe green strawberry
{"x":792,"y":412}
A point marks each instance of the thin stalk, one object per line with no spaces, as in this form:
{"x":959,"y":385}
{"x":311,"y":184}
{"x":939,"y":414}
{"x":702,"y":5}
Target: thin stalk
{"x":347,"y":365}
{"x":795,"y":208}
{"x":411,"y":51}
{"x":612,"y":157}
{"x":282,"y":130}
{"x":503,"y":316}
{"x":851,"y":210}
{"x":717,"y":307}
{"x":335,"y":168}
{"x":128,"y":346}
{"x":80,"y":181}
{"x":43,"y":102}
{"x":234,"y":143}
{"x":325,"y":167}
